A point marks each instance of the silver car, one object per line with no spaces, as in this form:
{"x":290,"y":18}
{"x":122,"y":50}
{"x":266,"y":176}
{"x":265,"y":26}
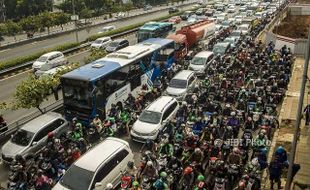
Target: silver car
{"x":31,"y":137}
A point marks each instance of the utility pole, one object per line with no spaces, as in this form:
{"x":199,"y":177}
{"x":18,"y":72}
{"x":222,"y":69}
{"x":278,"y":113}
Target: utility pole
{"x":75,"y":18}
{"x":298,"y":117}
{"x":2,"y":11}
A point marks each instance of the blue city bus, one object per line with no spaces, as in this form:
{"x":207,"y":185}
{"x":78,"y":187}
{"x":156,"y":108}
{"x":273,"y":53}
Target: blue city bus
{"x":154,"y":30}
{"x":93,"y":88}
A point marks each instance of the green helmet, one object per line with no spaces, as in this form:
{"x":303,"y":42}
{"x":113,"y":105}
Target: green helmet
{"x":201,"y":178}
{"x":78,"y":125}
{"x":135,"y":184}
{"x":163,"y":174}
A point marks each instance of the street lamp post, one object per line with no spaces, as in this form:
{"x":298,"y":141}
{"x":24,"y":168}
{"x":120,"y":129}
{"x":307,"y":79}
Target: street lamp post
{"x":75,"y":18}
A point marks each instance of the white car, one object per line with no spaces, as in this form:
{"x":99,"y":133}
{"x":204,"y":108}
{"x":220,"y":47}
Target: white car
{"x":50,"y":60}
{"x":200,"y":62}
{"x":106,"y":29}
{"x":181,"y":83}
{"x":120,"y":15}
{"x":233,"y":41}
{"x":231,"y":9}
{"x":192,"y":19}
{"x":153,"y":119}
{"x":244,"y":28}
{"x":238,"y":19}
{"x":101,"y":42}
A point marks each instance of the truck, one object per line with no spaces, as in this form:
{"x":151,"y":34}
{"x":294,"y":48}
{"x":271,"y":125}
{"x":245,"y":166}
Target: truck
{"x":189,"y":35}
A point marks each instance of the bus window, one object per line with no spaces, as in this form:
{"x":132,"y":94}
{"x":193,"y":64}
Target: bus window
{"x":77,"y":95}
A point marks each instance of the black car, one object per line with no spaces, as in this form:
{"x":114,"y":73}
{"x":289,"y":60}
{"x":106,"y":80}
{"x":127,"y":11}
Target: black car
{"x":116,"y":45}
{"x":173,"y":10}
{"x":186,"y":15}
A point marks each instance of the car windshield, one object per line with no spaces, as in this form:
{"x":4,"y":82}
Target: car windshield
{"x":229,"y":40}
{"x":226,"y":23}
{"x":219,"y":49}
{"x":177,"y":83}
{"x":22,"y":137}
{"x":77,"y":178}
{"x":114,"y":44}
{"x":198,"y":61}
{"x":150,"y":117}
{"x":42,"y":58}
{"x":98,"y":41}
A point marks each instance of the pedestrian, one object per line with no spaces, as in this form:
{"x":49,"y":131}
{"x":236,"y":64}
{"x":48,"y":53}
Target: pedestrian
{"x":307,"y":113}
{"x":275,"y":171}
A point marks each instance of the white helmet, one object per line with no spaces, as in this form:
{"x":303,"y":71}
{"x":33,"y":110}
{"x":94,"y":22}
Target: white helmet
{"x":109,"y":186}
{"x":232,"y":113}
{"x":149,"y":163}
{"x":255,"y":162}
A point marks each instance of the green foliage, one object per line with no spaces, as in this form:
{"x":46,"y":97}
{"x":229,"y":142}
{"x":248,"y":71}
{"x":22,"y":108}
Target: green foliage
{"x":46,"y":19}
{"x":94,"y":55}
{"x":30,"y":24}
{"x":3,"y":31}
{"x":12,"y":28}
{"x":32,"y":92}
{"x":24,"y":59}
{"x":61,"y":18}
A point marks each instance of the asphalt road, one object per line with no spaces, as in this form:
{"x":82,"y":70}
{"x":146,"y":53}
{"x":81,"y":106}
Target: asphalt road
{"x":28,"y":49}
{"x":8,"y":87}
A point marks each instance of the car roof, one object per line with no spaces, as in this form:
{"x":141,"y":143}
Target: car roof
{"x":159,"y":104}
{"x":204,"y":54}
{"x":36,"y":124}
{"x":103,"y":38}
{"x":51,"y":53}
{"x":183,"y":74}
{"x":119,"y":40}
{"x":94,"y":158}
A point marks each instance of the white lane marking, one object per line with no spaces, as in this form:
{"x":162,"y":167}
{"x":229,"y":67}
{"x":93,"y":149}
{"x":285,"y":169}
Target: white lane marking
{"x":5,"y":50}
{"x":27,"y":71}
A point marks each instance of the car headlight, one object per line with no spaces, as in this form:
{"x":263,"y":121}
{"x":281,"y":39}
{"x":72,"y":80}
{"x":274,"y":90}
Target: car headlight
{"x":153,"y":133}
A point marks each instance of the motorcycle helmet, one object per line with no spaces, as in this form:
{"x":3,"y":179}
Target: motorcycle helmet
{"x":255,"y":162}
{"x":264,"y":151}
{"x":50,"y":135}
{"x":149,"y":163}
{"x":280,"y":150}
{"x":263,"y":131}
{"x":232,"y":113}
{"x":135,"y":184}
{"x":130,"y":164}
{"x":201,"y":178}
{"x":163,"y":174}
{"x":74,"y":119}
{"x":109,"y":186}
{"x":78,"y":125}
{"x":188,"y":170}
{"x":197,"y":151}
{"x":236,"y":150}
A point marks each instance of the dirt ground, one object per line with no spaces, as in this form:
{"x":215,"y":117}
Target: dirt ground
{"x":294,"y":26}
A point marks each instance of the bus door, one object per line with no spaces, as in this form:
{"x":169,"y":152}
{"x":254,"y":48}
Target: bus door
{"x":134,"y":76}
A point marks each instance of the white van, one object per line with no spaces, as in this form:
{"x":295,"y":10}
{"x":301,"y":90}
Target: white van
{"x":52,"y":59}
{"x":154,"y":118}
{"x":101,"y":42}
{"x":99,"y":166}
{"x":244,"y":28}
{"x":181,"y":83}
{"x":200,"y":62}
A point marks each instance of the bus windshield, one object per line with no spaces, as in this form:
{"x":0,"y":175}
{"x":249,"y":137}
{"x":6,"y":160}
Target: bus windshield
{"x":144,"y":34}
{"x":77,"y":95}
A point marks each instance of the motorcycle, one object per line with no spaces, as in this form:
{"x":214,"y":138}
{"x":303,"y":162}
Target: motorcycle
{"x":220,"y":184}
{"x":126,"y":181}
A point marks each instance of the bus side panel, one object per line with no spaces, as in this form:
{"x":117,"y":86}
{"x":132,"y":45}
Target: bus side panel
{"x":118,"y":96}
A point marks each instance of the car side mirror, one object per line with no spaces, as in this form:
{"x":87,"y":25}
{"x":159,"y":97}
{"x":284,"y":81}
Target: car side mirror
{"x":34,"y":143}
{"x":98,"y":184}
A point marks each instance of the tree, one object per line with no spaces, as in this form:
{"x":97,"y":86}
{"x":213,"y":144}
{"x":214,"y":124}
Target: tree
{"x":61,"y":18}
{"x":85,"y":13}
{"x":13,"y":28}
{"x":94,"y":55}
{"x":3,"y":31}
{"x":32,"y":92}
{"x":46,"y":20}
{"x":29,"y":24}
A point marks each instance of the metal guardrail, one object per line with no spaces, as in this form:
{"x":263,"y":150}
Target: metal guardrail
{"x":61,"y":32}
{"x":12,"y":127}
{"x":7,"y":71}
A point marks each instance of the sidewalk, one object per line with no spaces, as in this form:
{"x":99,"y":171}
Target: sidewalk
{"x":287,"y":118}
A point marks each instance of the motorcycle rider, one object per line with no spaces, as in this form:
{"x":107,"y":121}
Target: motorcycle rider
{"x":281,"y":154}
{"x":234,"y":157}
{"x":148,"y":145}
{"x":188,"y":178}
{"x":135,"y":186}
{"x":132,"y":170}
{"x":234,"y":122}
{"x":165,"y":147}
{"x":150,"y":171}
{"x":161,"y":182}
{"x":248,"y":124}
{"x":98,"y":123}
{"x":201,"y":185}
{"x":275,"y":172}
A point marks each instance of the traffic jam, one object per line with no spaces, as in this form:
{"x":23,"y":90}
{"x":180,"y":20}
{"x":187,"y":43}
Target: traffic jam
{"x":191,"y":107}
